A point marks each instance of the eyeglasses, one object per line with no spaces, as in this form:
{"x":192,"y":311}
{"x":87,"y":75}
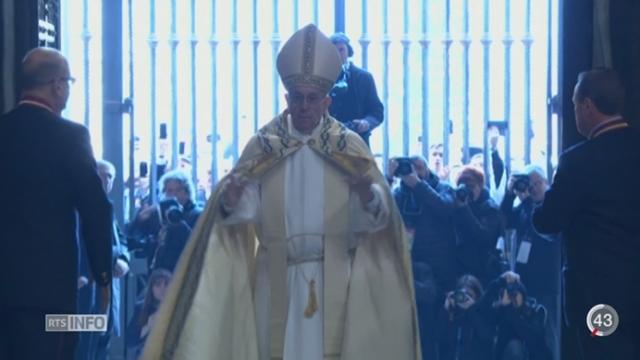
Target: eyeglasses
{"x":68,"y":79}
{"x":311,"y":99}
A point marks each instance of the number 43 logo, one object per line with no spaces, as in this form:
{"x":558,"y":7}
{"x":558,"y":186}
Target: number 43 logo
{"x":602,"y":320}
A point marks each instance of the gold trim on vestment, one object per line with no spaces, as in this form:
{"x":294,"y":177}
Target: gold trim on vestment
{"x":381,"y":258}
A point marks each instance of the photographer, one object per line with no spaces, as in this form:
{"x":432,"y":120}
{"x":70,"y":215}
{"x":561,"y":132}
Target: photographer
{"x":478,"y":225}
{"x":519,"y":320}
{"x":162,"y":230}
{"x":538,"y":257}
{"x":466,"y":332}
{"x":426,"y":205}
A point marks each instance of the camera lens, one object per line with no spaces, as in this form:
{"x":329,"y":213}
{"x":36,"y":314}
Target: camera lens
{"x":521,"y":184}
{"x":174,"y":215}
{"x":463,"y":192}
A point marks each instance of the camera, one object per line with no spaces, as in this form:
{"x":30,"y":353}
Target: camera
{"x":463,"y":193}
{"x":171,"y":211}
{"x":521,"y":183}
{"x":138,"y":244}
{"x":461,"y":296}
{"x":513,"y":289}
{"x":405,"y":166}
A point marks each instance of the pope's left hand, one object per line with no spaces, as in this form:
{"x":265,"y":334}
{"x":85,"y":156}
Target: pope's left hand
{"x":362,"y":186}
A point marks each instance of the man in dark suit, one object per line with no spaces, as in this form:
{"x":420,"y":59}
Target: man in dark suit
{"x":49,"y":181}
{"x":120,"y":255}
{"x":354,"y":99}
{"x":595,"y":202}
{"x":96,"y":345}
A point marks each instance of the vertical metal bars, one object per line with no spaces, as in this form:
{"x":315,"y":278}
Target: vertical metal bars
{"x":406,"y":42}
{"x":153,"y":45}
{"x":486,"y":52}
{"x":256,"y":43}
{"x":132,"y":131}
{"x":235,"y":38}
{"x":275,"y":45}
{"x":173,"y":42}
{"x":424,"y":42}
{"x":339,"y":11}
{"x":446,"y":121}
{"x":460,"y":98}
{"x":296,"y":14}
{"x":527,"y":41}
{"x":364,"y":39}
{"x":466,"y":43}
{"x":386,"y":41}
{"x":86,"y":38}
{"x":508,"y":42}
{"x":194,"y":94}
{"x":549,"y":97}
{"x":213,"y":44}
{"x":315,"y":13}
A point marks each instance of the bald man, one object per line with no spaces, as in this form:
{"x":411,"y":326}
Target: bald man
{"x":49,"y":186}
{"x":593,"y":201}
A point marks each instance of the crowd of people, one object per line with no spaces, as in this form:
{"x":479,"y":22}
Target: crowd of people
{"x":306,"y":250}
{"x":475,"y":297}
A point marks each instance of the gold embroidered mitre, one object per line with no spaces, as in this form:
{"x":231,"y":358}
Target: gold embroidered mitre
{"x":309,"y":58}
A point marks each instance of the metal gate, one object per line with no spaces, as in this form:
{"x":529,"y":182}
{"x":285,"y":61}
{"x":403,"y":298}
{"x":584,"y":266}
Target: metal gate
{"x":200,"y":77}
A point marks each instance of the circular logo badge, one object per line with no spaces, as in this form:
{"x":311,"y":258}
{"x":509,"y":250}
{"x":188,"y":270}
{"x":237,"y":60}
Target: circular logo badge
{"x":602,"y":320}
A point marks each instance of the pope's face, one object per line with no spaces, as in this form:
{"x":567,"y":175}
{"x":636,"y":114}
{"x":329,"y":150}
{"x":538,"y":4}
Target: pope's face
{"x":306,"y":105}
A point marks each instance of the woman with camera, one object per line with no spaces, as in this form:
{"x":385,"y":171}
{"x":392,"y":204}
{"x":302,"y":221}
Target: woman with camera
{"x":466,"y":332}
{"x":477,"y":224}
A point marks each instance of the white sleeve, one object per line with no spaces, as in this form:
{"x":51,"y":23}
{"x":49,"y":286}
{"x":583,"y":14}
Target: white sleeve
{"x":247,"y":209}
{"x":373,"y":216}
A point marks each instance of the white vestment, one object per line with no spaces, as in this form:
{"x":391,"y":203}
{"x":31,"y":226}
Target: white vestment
{"x":304,"y":192}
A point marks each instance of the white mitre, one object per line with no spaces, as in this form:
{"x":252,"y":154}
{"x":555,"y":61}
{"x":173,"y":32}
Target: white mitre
{"x":309,"y":58}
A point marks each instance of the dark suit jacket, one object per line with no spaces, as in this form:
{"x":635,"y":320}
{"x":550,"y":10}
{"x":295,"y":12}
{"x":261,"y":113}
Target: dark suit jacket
{"x":359,"y":101}
{"x":49,"y":175}
{"x":595,"y":202}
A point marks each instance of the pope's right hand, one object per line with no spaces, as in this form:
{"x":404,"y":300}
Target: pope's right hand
{"x":233,"y":190}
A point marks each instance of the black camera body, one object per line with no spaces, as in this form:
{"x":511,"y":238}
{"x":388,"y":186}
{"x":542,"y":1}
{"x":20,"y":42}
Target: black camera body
{"x":521,"y":183}
{"x":514,"y":288}
{"x":405,"y":166}
{"x":461,"y":296}
{"x":463,"y":193}
{"x":171,"y":211}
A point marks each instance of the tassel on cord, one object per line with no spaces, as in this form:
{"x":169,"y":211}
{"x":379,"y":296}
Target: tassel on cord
{"x":312,"y":303}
